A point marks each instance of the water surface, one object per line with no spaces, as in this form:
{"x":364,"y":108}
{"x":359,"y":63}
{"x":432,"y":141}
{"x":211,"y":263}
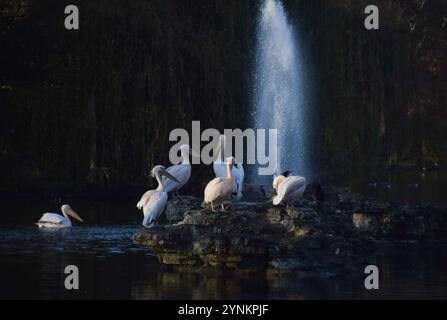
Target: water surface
{"x":407,"y":186}
{"x":32,"y":263}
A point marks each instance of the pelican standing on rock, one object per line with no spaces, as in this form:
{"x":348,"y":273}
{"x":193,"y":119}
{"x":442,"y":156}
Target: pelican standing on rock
{"x":238,"y":175}
{"x":153,"y":202}
{"x":219,"y":190}
{"x":182,"y":171}
{"x":220,"y":169}
{"x":54,"y":220}
{"x":288,"y":189}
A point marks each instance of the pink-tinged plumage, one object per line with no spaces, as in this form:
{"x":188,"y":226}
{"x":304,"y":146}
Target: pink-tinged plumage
{"x":153,"y":202}
{"x":288,"y":189}
{"x":219,"y":190}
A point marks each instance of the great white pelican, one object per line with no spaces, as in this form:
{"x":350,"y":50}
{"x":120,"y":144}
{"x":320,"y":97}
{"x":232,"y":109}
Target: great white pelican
{"x":288,"y":189}
{"x":182,"y":171}
{"x":220,"y":169}
{"x":219,"y":190}
{"x":153,"y":202}
{"x":54,"y":220}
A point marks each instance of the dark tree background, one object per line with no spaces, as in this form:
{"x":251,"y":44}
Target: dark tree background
{"x":95,"y":106}
{"x":380,"y":96}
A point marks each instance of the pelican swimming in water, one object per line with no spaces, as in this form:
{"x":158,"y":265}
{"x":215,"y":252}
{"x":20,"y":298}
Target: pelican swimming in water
{"x":182,"y":171}
{"x":288,"y":188}
{"x":153,"y":202}
{"x":219,"y":190}
{"x":220,"y":169}
{"x":54,"y":220}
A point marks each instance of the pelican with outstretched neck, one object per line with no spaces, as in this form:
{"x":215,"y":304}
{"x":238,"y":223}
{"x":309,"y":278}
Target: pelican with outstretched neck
{"x":153,"y":202}
{"x":220,"y":169}
{"x":54,"y":220}
{"x":288,"y":188}
{"x":182,"y":171}
{"x":219,"y":190}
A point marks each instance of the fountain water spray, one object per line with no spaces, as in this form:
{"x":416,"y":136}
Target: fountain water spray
{"x":279,"y":101}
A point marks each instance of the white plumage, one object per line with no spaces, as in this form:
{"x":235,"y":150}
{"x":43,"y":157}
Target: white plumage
{"x":182,"y":172}
{"x":220,"y":170}
{"x":288,"y":189}
{"x":238,"y":175}
{"x":54,"y":220}
{"x":153,"y":202}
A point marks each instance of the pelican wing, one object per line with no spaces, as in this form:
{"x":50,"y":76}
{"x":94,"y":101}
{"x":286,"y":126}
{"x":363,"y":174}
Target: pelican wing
{"x":290,"y":188}
{"x":182,"y":172}
{"x":53,"y":218}
{"x":217,"y":191}
{"x":145,"y":198}
{"x":220,"y":170}
{"x":297,"y":185}
{"x":153,"y":206}
{"x":238,"y":175}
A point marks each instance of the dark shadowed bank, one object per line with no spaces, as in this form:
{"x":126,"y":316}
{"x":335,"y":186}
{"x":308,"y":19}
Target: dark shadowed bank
{"x":94,"y":107}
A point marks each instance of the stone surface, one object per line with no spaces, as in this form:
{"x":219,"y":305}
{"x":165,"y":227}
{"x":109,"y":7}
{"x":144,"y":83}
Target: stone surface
{"x":330,"y":230}
{"x":177,"y":207}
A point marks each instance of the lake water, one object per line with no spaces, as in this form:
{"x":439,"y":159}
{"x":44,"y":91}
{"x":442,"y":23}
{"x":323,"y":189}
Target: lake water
{"x":111,"y":266}
{"x":416,"y":186}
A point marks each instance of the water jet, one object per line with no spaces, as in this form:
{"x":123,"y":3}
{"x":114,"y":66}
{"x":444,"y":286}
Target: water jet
{"x":279,"y":100}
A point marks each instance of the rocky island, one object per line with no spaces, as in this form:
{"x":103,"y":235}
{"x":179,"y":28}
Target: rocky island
{"x":330,"y":231}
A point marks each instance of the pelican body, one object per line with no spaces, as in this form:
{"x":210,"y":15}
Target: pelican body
{"x":238,"y":175}
{"x":219,"y":190}
{"x":153,"y":202}
{"x":182,"y":172}
{"x":220,"y":170}
{"x":288,"y":189}
{"x":54,"y":220}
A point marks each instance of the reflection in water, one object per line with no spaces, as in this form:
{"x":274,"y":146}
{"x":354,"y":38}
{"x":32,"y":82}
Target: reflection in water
{"x":32,"y":263}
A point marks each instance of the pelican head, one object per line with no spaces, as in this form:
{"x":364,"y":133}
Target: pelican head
{"x":69,"y":211}
{"x":159,"y":171}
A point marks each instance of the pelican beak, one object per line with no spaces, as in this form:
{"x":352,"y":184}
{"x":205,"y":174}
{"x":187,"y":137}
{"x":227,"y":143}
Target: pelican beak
{"x":73,"y":214}
{"x":170,"y":176}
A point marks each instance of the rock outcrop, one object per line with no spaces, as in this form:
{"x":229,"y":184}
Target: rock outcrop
{"x":321,"y":236}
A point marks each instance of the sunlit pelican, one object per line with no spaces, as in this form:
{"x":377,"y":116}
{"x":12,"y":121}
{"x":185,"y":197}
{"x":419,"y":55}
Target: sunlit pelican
{"x":219,"y":190}
{"x":238,"y":175}
{"x":181,"y":171}
{"x":288,"y":189}
{"x":153,"y":202}
{"x":54,"y":220}
{"x":220,"y":169}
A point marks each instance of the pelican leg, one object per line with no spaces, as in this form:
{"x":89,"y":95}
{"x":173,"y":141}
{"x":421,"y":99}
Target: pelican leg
{"x":223,"y":207}
{"x":212,"y":207}
{"x":178,"y":194}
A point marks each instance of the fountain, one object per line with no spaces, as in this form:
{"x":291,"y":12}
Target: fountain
{"x":279,"y":101}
